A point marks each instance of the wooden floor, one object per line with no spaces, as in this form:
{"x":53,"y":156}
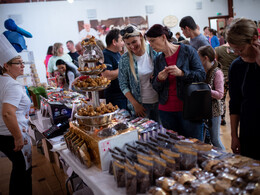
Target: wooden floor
{"x":48,"y":179}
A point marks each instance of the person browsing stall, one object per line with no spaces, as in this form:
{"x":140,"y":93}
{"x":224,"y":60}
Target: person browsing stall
{"x":48,"y":56}
{"x":135,"y":71}
{"x":225,"y":56}
{"x":176,"y":66}
{"x":244,"y":90}
{"x":215,"y":79}
{"x":69,"y":71}
{"x":190,"y":30}
{"x":213,"y":39}
{"x":112,"y":56}
{"x":72,"y":52}
{"x":58,"y":53}
{"x":14,"y":119}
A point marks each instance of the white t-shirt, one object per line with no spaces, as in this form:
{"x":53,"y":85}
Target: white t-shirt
{"x":12,"y":92}
{"x":145,"y":71}
{"x":71,"y":78}
{"x":92,"y":32}
{"x":52,"y":61}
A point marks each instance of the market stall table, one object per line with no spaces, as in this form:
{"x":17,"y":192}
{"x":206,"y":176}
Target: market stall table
{"x":101,"y":183}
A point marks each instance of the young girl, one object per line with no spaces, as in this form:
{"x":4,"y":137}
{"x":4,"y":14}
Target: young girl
{"x":215,"y":79}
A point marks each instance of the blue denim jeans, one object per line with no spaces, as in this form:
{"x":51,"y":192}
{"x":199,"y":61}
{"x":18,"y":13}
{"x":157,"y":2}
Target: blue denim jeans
{"x":175,"y":122}
{"x":151,"y":111}
{"x":215,"y":132}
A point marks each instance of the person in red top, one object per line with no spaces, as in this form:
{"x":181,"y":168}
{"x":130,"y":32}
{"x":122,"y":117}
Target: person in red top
{"x":48,"y":56}
{"x":177,"y":66}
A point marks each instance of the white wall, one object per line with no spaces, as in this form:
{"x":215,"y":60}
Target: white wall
{"x":51,"y":22}
{"x":247,"y":9}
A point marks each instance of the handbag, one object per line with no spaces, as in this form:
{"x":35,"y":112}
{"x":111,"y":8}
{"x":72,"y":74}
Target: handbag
{"x":197,"y":104}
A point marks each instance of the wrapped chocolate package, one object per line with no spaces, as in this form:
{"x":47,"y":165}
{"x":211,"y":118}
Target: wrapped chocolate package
{"x":120,"y":160}
{"x":119,"y":173}
{"x":76,"y":149}
{"x":110,"y":171}
{"x":130,"y":180}
{"x":121,"y":126}
{"x":74,"y":145}
{"x":149,"y":165}
{"x":176,"y":156}
{"x":170,"y":164}
{"x":188,"y":157}
{"x":66,"y":135}
{"x":144,"y":156}
{"x":143,"y":181}
{"x":107,"y":132}
{"x":83,"y":151}
{"x":159,"y":166}
{"x":132,"y":153}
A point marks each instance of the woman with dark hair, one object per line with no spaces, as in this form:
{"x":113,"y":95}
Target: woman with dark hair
{"x":244,"y":90}
{"x":69,"y":71}
{"x":48,"y":56}
{"x":177,"y":66}
{"x":215,"y":79}
{"x":213,"y":39}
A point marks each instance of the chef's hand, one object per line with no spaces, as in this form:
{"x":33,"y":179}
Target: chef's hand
{"x":18,"y":143}
{"x":174,"y":70}
{"x":162,"y":76}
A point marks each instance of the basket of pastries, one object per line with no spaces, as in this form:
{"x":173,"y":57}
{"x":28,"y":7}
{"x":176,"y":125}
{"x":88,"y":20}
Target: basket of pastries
{"x":92,"y":70}
{"x":91,"y":84}
{"x":100,"y":115}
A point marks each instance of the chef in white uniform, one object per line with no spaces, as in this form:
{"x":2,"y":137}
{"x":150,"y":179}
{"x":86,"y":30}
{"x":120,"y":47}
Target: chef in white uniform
{"x":14,"y":118}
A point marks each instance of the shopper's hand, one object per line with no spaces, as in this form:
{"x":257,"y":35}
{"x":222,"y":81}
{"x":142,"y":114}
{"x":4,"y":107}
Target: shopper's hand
{"x":74,"y":82}
{"x":18,"y":143}
{"x":256,"y":46}
{"x":162,"y":76}
{"x":139,"y":109}
{"x":235,"y":145}
{"x":174,"y":70}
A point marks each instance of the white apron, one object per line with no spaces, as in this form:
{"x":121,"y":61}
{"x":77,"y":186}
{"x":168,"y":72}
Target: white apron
{"x":23,"y":121}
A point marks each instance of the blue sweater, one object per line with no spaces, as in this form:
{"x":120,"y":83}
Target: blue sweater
{"x":214,"y":41}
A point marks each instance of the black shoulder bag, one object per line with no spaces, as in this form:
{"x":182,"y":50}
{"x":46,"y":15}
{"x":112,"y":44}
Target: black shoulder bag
{"x":197,"y":103}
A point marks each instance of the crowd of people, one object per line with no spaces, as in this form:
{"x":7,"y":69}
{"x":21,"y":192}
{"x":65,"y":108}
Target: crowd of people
{"x":149,"y":78}
{"x":149,"y":81}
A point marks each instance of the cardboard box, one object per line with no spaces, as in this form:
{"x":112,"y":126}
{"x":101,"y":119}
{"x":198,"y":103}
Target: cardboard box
{"x":58,"y":112}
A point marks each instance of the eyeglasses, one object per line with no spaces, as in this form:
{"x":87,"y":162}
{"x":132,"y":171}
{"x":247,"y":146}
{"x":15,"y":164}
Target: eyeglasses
{"x":18,"y":63}
{"x":129,"y":29}
{"x":237,"y":51}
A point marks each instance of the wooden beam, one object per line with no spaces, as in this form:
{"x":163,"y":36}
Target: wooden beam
{"x":230,"y":8}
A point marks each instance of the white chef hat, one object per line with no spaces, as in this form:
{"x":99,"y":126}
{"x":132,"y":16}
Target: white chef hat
{"x":7,"y":51}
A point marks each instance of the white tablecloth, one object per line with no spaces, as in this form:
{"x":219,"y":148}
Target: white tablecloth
{"x":101,"y":183}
